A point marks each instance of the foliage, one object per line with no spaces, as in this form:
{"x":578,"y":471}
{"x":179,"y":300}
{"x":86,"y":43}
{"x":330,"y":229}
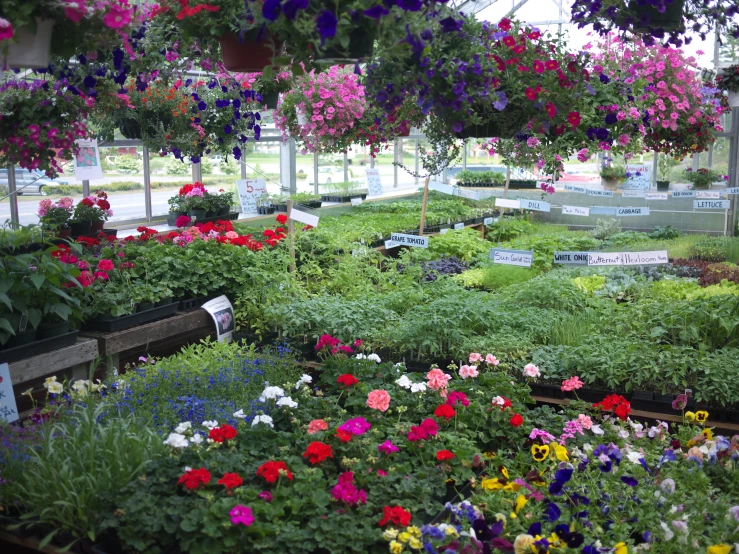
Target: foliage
{"x":613,"y":172}
{"x":507,"y":228}
{"x":495,"y":277}
{"x":712,"y":249}
{"x":605,"y":228}
{"x":469,"y":178}
{"x":703,"y":178}
{"x":128,"y":164}
{"x":729,"y":79}
{"x":465,"y":244}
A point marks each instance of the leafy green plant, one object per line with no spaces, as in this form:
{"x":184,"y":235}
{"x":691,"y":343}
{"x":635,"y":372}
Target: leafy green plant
{"x":128,"y":164}
{"x":604,"y":228}
{"x":176,"y":167}
{"x":508,"y":228}
{"x":713,"y":249}
{"x":664,"y":233}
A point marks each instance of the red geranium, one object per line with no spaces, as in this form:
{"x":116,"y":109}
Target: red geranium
{"x":620,"y":406}
{"x":444,"y":455}
{"x":193,"y":478}
{"x":281,"y":219}
{"x":223,"y":433}
{"x":230,"y":480}
{"x":105,"y":265}
{"x":516,"y":420}
{"x":348,"y":380}
{"x":271,"y":471}
{"x":343,"y":436}
{"x":445,"y":411}
{"x":87,"y":202}
{"x":317,"y":452}
{"x":395,"y":515}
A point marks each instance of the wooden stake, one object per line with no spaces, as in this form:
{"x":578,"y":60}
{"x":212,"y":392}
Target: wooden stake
{"x":423,"y":206}
{"x":291,"y":235}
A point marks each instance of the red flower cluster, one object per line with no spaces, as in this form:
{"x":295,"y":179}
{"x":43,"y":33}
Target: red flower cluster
{"x":271,"y":471}
{"x":428,"y":428}
{"x":102,"y":200}
{"x":395,"y":515}
{"x":230,"y":480}
{"x":445,"y":411}
{"x":327,"y":344}
{"x":89,"y":242}
{"x":188,"y":188}
{"x":444,"y":455}
{"x":343,"y":436}
{"x":183,"y":221}
{"x":282,"y":219}
{"x":193,"y":478}
{"x":87,"y":202}
{"x":516,"y":420}
{"x":318,"y":452}
{"x":620,"y":406}
{"x":347,"y":379}
{"x":223,"y":433}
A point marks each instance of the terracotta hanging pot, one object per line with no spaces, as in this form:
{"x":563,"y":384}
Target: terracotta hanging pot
{"x":249,"y":55}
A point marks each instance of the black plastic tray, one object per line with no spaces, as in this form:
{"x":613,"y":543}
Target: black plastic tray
{"x":38,"y":347}
{"x":128,"y":321}
{"x":192,"y":303}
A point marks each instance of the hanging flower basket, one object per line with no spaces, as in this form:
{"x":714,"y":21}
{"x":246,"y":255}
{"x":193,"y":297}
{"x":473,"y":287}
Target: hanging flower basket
{"x":648,"y":17}
{"x":733,"y":99}
{"x":503,"y":125}
{"x":32,"y":49}
{"x":249,"y":55}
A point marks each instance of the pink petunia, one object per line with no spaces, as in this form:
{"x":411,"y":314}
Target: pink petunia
{"x":117,"y":17}
{"x":6,"y":29}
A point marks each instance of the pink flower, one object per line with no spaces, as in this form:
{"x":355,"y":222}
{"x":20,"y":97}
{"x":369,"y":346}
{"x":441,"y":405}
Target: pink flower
{"x":456,"y":397}
{"x":624,"y":139}
{"x":540,"y":434}
{"x":346,"y":491}
{"x":573,"y":383}
{"x":317,"y":425}
{"x":75,"y":10}
{"x":240,"y":514}
{"x":475,"y":357}
{"x":118,"y":17}
{"x":388,"y":447}
{"x":530,"y":370}
{"x":171,"y":56}
{"x":356,"y":426}
{"x":585,"y":421}
{"x":468,"y":372}
{"x":6,"y":29}
{"x":105,"y":265}
{"x":492,"y":360}
{"x":438,"y":380}
{"x":82,"y":265}
{"x":101,"y":275}
{"x":265,"y":495}
{"x":43,"y":207}
{"x":378,"y":400}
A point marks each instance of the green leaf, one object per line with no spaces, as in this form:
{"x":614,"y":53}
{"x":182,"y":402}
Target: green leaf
{"x":38,"y":280}
{"x":6,"y":326}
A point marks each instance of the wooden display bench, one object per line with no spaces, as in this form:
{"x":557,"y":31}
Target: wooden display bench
{"x":138,"y":341}
{"x":75,"y":358}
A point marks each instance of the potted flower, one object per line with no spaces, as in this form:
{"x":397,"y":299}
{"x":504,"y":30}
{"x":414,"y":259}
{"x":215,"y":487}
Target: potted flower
{"x":611,"y":175}
{"x":103,"y":206}
{"x":728,"y":80}
{"x":321,"y":109}
{"x":664,"y":168}
{"x":195,"y":200}
{"x":703,"y":177}
{"x":85,"y":213}
{"x":55,"y":215}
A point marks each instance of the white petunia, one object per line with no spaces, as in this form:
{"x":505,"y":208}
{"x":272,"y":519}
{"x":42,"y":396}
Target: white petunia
{"x":374,"y":358}
{"x":634,"y":457}
{"x":80,"y":387}
{"x":176,"y":440}
{"x":597,"y":430}
{"x":49,"y":380}
{"x":54,"y":387}
{"x":262,"y":419}
{"x":668,"y":532}
{"x":404,"y":382}
{"x":196,"y":439}
{"x":182,"y":427}
{"x":240,"y":414}
{"x":287,"y":401}
{"x":210,"y":424}
{"x":271,"y":393}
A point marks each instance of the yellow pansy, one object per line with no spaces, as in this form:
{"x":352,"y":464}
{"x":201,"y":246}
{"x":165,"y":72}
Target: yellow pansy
{"x":560,"y":452}
{"x":511,"y":487}
{"x":689,"y":416}
{"x":396,"y":547}
{"x":451,"y":531}
{"x":504,"y":471}
{"x":554,"y":541}
{"x":414,"y":531}
{"x":522,"y":544}
{"x":491,"y":485}
{"x":390,"y":534}
{"x":701,"y":416}
{"x":520,"y":502}
{"x":415,"y":544}
{"x":621,"y":548}
{"x":708,"y":434}
{"x":489,"y":455}
{"x":540,"y":452}
{"x":719,"y":549}
{"x":404,"y":536}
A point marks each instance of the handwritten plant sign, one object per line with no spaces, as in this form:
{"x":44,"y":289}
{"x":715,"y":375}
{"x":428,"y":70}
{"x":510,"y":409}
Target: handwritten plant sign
{"x":523,"y":258}
{"x":8,"y":408}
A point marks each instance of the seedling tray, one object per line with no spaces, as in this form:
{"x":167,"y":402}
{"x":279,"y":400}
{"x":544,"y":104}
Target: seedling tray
{"x":127,"y":321}
{"x":38,"y":347}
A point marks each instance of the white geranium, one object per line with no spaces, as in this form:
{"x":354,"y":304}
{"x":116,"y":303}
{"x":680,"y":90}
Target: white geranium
{"x":404,"y":382}
{"x":374,"y":358}
{"x":210,"y":424}
{"x":176,"y":440}
{"x":361,"y":357}
{"x":287,"y":401}
{"x":530,"y":370}
{"x":262,"y":419}
{"x":182,"y":427}
{"x":418,"y":387}
{"x":196,"y":439}
{"x":271,"y":393}
{"x":304,"y":379}
{"x":240,"y":414}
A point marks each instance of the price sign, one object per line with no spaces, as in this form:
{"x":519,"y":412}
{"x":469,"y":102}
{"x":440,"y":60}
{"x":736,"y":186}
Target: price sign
{"x":249,"y":191}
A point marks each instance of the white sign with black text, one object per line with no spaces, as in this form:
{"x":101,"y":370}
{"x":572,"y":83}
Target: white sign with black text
{"x":222,"y":313}
{"x":628,"y":258}
{"x":249,"y":192}
{"x":8,"y":408}
{"x":626,"y":211}
{"x":374,"y":182}
{"x":732,"y":190}
{"x":575,"y":210}
{"x":356,"y":201}
{"x":458,"y":226}
{"x":633,"y":194}
{"x":523,"y":258}
{"x":408,"y":240}
{"x":640,"y":177}
{"x":711,"y":204}
{"x":683,"y":194}
{"x":87,"y":165}
{"x":536,"y":205}
{"x":505,"y":203}
{"x":656,"y":196}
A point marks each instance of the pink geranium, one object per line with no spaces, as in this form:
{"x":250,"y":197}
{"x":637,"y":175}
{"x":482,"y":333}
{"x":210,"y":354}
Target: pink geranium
{"x":468,"y":372}
{"x":492,"y":360}
{"x":317,"y":425}
{"x":378,"y":400}
{"x":438,"y":380}
{"x":388,"y":447}
{"x":345,"y":490}
{"x":241,"y":515}
{"x":573,"y":383}
{"x":475,"y":357}
{"x":356,"y":426}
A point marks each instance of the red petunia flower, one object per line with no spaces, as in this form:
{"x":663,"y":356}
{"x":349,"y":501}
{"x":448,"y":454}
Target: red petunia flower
{"x":318,"y":452}
{"x":516,"y":420}
{"x":223,"y":433}
{"x":271,"y":471}
{"x":444,"y":455}
{"x":347,"y":379}
{"x":445,"y":411}
{"x":504,"y":24}
{"x":230,"y":480}
{"x":573,"y":118}
{"x":395,"y":515}
{"x":193,"y":478}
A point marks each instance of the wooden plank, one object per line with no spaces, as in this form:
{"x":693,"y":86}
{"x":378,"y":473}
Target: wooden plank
{"x":29,"y":543}
{"x":180,"y":323}
{"x":84,"y":350}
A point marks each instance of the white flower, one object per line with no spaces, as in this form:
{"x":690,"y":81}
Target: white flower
{"x":374,"y":358}
{"x":240,"y":414}
{"x":361,"y":357}
{"x":597,"y":430}
{"x":287,"y":401}
{"x":262,"y":419}
{"x":404,"y":382}
{"x":122,"y":384}
{"x":399,"y":365}
{"x":418,"y":387}
{"x":196,"y":439}
{"x":270,"y":393}
{"x":182,"y":427}
{"x":634,"y":457}
{"x":623,"y":433}
{"x":80,"y":387}
{"x":94,"y":387}
{"x":54,"y":387}
{"x":668,"y":532}
{"x":49,"y":380}
{"x":498,"y":401}
{"x":305,"y":378}
{"x":530,"y":370}
{"x":175,"y":440}
{"x":210,"y":424}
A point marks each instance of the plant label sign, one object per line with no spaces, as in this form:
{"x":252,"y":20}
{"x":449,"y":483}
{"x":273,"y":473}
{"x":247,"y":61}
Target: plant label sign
{"x":711,"y":204}
{"x":374,"y":183}
{"x":536,"y":205}
{"x":523,"y":258}
{"x":249,"y":191}
{"x":707,"y":194}
{"x":683,"y":194}
{"x":87,"y":165}
{"x":640,"y":210}
{"x":573,"y":188}
{"x":505,"y":203}
{"x":303,"y":217}
{"x":222,"y":313}
{"x":633,"y":194}
{"x":410,"y":240}
{"x":656,"y":196}
{"x":444,"y":231}
{"x":441,"y":187}
{"x":603,"y":210}
{"x":489,"y":220}
{"x":575,"y":210}
{"x":604,"y":258}
{"x":571,"y":258}
{"x":458,"y":226}
{"x":732,"y":190}
{"x":8,"y":408}
{"x":356,"y":201}
{"x":469,"y":194}
{"x":640,"y":177}
{"x":645,"y":258}
{"x":598,"y":192}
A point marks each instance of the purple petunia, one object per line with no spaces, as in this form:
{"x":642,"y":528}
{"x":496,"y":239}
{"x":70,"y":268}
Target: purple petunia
{"x":326,"y":24}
